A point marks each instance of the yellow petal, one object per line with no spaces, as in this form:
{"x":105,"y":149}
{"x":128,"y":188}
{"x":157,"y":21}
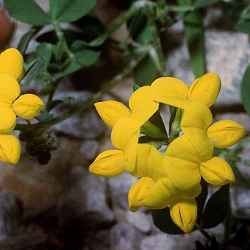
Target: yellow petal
{"x":148,"y":162}
{"x":196,"y":115}
{"x":9,"y":89}
{"x":217,"y":172}
{"x":193,"y":146}
{"x":184,"y":214}
{"x":10,"y":149}
{"x":111,"y":111}
{"x":7,"y":118}
{"x":184,"y":175}
{"x":205,"y":89}
{"x":142,"y":104}
{"x":123,"y":131}
{"x":108,"y":163}
{"x":11,"y":63}
{"x":28,"y":106}
{"x":225,"y":133}
{"x":161,"y":194}
{"x":171,"y":91}
{"x":138,"y":191}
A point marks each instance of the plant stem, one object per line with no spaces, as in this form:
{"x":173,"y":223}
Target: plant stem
{"x":228,"y":222}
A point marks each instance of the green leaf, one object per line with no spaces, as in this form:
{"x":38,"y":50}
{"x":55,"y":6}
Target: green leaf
{"x":194,"y":32}
{"x":163,"y":221}
{"x":245,"y":90}
{"x":70,"y":10}
{"x":216,"y":208}
{"x":201,"y":199}
{"x":84,"y":58}
{"x":205,"y":3}
{"x":145,"y":72}
{"x":44,"y":51}
{"x":35,"y":69}
{"x":25,"y":39}
{"x":27,"y":11}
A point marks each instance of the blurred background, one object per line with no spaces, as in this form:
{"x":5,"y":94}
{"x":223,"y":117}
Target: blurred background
{"x":50,"y":201}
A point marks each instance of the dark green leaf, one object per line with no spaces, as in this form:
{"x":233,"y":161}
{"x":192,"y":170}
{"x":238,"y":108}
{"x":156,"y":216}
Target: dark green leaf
{"x":135,"y":86}
{"x":201,"y":199}
{"x":194,"y":32}
{"x":245,"y":90}
{"x":205,"y":3}
{"x":145,"y":72}
{"x":163,"y":221}
{"x":25,"y":39}
{"x":35,"y":69}
{"x":70,"y":10}
{"x":82,"y":59}
{"x":216,"y":208}
{"x":27,"y":11}
{"x":44,"y":51}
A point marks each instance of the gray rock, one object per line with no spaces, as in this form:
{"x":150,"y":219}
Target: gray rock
{"x":159,"y":242}
{"x":119,"y":187}
{"x":83,"y":126}
{"x":229,"y":59}
{"x":140,"y":220}
{"x":85,"y":197}
{"x":171,"y":242}
{"x":240,"y":201}
{"x":89,"y":149}
{"x":124,"y":236}
{"x":99,"y":240}
{"x":87,"y":126}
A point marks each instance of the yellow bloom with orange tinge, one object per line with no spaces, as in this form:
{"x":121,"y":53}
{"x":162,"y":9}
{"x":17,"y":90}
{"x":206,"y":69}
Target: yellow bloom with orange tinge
{"x":13,"y":104}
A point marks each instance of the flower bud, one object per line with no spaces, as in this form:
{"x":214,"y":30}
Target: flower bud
{"x":225,"y":133}
{"x":108,"y":163}
{"x":217,"y":172}
{"x":183,"y":214}
{"x":28,"y":106}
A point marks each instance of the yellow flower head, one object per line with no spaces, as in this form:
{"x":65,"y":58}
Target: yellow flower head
{"x":13,"y":104}
{"x":171,"y":179}
{"x":175,"y":92}
{"x":126,"y":122}
{"x":184,"y":214}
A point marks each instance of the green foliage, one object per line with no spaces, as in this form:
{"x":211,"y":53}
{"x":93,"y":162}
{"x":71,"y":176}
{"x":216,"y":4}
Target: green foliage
{"x":163,"y":221}
{"x":84,"y":58}
{"x":245,"y":90}
{"x":60,"y":10}
{"x":216,"y":208}
{"x":27,"y":11}
{"x":194,"y":32}
{"x":70,"y":10}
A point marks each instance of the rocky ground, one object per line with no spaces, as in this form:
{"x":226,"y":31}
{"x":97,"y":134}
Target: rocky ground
{"x":66,"y":207}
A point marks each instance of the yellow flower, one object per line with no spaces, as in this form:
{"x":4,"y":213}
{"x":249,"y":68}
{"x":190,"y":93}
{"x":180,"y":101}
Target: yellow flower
{"x":126,"y":122}
{"x":11,"y":63}
{"x":108,"y":163}
{"x":222,"y":134}
{"x":196,"y":147}
{"x":175,"y":92}
{"x":10,"y":149}
{"x":184,"y":214}
{"x":146,"y":193}
{"x":12,"y":104}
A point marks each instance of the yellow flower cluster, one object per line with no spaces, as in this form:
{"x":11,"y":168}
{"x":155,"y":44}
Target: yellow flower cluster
{"x":13,"y":104}
{"x":171,"y":178}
